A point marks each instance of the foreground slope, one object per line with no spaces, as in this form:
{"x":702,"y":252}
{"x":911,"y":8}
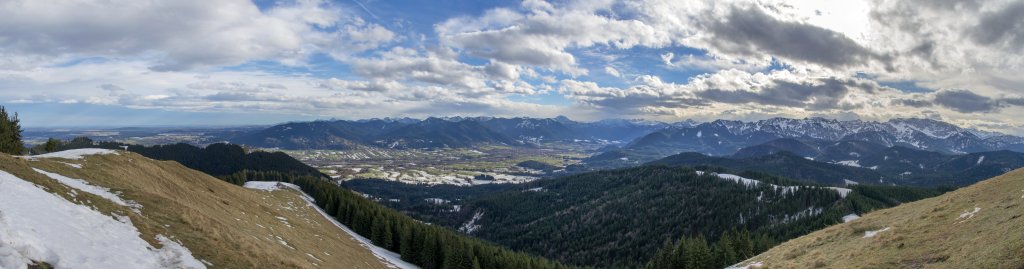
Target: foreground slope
{"x":975,"y":227}
{"x":219,"y":224}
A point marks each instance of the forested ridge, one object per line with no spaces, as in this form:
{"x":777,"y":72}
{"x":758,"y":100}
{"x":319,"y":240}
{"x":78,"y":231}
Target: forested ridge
{"x":621,"y":218}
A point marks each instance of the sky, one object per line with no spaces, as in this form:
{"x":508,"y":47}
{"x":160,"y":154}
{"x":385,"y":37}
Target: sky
{"x":223,"y":62}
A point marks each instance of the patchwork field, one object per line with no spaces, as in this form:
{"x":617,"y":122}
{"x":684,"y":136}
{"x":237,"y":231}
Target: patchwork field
{"x":482,"y":165}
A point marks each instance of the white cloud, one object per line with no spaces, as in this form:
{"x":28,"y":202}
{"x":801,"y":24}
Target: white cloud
{"x":612,"y":71}
{"x":540,"y":34}
{"x":181,"y":35}
{"x":766,"y":58}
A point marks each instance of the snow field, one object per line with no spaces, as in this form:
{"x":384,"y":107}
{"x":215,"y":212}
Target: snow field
{"x":82,"y":185}
{"x":36,"y":225}
{"x":72,"y":154}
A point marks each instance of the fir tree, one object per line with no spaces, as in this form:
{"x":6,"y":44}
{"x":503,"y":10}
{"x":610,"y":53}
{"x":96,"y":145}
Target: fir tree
{"x":10,"y":133}
{"x":52,"y":145}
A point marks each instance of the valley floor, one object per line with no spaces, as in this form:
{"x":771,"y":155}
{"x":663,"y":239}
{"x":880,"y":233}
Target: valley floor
{"x":441,"y":166}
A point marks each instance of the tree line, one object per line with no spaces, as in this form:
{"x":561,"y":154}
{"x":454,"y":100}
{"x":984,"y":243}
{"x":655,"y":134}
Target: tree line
{"x":698,"y":253}
{"x":425,"y":245}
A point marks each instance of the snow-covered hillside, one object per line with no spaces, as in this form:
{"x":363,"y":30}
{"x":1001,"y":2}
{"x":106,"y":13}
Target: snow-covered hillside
{"x":94,"y":208}
{"x":38,"y":226}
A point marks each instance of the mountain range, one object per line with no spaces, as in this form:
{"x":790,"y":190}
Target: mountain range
{"x":648,"y":139}
{"x":724,"y":137}
{"x":435,"y":132}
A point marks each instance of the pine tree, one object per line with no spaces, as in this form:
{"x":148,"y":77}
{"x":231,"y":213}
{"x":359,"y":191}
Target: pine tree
{"x":405,"y":248}
{"x":725,"y":254}
{"x":387,"y":239}
{"x":699,"y":254}
{"x":476,"y":263}
{"x":10,"y":133}
{"x":51,"y":145}
{"x":377,"y":231}
{"x":428,"y":254}
{"x":744,"y":244}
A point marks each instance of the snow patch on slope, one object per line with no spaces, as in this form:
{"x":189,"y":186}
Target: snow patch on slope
{"x":75,"y":165}
{"x":390,"y":258}
{"x":751,"y":265}
{"x":852,"y":163}
{"x":82,"y":185}
{"x":968,"y":215}
{"x":870,"y":234}
{"x":843,"y":192}
{"x":471,"y":226}
{"x":36,"y":225}
{"x":73,"y":154}
{"x":785,"y":189}
{"x":850,"y":217}
{"x":265,"y":185}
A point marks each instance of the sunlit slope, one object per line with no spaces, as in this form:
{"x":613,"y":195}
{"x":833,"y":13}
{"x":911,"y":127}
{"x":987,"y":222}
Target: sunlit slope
{"x":979,"y":226}
{"x":223,"y":225}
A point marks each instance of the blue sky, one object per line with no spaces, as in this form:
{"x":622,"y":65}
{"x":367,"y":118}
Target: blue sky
{"x":195,"y":62}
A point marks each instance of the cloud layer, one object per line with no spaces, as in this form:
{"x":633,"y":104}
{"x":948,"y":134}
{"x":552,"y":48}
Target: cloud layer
{"x":589,"y":59}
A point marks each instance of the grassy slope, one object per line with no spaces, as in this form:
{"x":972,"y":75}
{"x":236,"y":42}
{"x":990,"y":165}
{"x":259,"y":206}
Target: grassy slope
{"x":219,"y":222}
{"x":925,"y":234}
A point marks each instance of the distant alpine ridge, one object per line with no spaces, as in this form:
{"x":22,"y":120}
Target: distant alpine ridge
{"x":453,"y":132}
{"x":725,"y":137}
{"x":640,"y":137}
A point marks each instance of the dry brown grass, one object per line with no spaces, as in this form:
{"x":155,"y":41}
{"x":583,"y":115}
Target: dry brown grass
{"x":923,"y":234}
{"x":224,"y":224}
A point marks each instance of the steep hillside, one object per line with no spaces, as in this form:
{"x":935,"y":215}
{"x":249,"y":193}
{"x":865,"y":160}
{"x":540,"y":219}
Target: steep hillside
{"x":421,"y":244}
{"x":114,"y":204}
{"x":974,"y":227}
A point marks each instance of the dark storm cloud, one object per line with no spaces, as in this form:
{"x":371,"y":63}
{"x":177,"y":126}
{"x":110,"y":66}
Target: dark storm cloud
{"x":823,"y":95}
{"x":965,"y":101}
{"x":914,"y":103}
{"x":749,"y":30}
{"x":969,"y":102}
{"x":1012,"y":101}
{"x":1002,"y":27}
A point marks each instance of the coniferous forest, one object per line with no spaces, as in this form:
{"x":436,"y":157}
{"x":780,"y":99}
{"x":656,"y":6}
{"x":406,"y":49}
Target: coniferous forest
{"x":621,"y":218}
